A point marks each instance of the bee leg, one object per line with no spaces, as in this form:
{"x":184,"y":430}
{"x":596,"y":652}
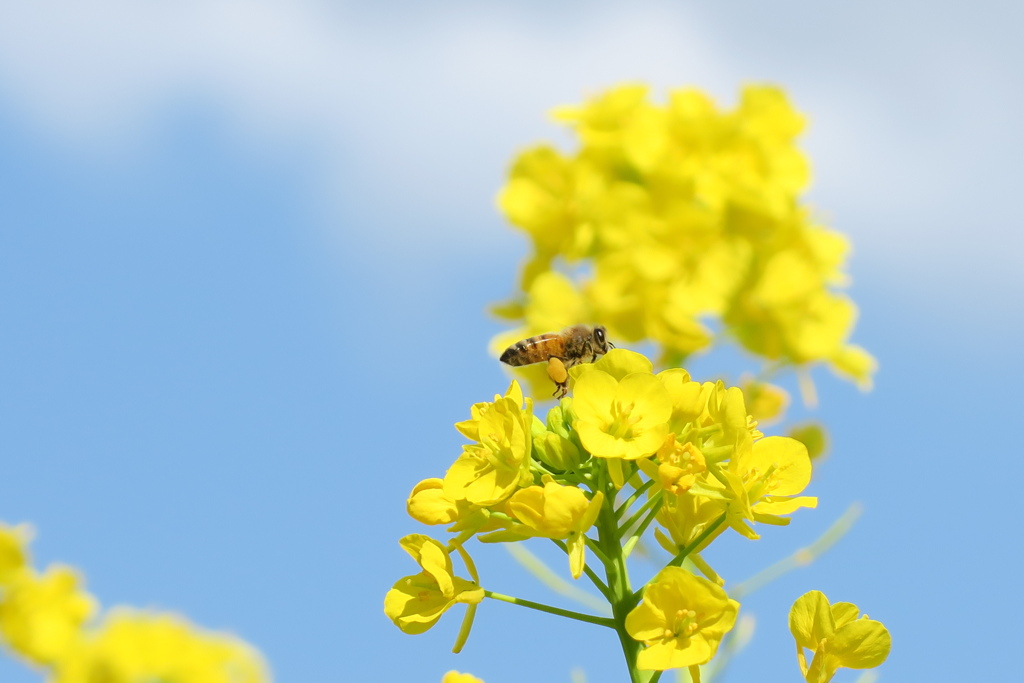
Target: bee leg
{"x":559,"y":375}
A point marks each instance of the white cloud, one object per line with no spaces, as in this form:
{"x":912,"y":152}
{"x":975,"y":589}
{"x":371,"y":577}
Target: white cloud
{"x":418,"y":112}
{"x":431,"y":108}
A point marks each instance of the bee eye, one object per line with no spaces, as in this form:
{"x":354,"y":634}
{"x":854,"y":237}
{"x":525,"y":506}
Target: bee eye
{"x":599,"y":335}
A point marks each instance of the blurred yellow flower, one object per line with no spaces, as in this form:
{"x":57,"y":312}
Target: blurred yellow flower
{"x":138,"y":647}
{"x":14,"y":557}
{"x":45,"y":619}
{"x":456,"y":677}
{"x":766,"y":402}
{"x":837,"y":635}
{"x":680,"y":213}
{"x":681,"y":620}
{"x":41,"y":616}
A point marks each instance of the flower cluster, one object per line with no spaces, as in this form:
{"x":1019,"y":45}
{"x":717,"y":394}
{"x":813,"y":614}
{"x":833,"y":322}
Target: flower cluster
{"x":676,"y":226}
{"x":631,"y":448}
{"x":669,"y":216}
{"x":48,"y":620}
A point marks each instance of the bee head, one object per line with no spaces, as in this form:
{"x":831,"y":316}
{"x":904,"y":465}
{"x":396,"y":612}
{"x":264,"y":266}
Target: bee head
{"x":601,"y":343}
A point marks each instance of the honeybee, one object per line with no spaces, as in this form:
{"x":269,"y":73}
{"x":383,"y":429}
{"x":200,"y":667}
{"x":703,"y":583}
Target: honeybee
{"x":562,"y":350}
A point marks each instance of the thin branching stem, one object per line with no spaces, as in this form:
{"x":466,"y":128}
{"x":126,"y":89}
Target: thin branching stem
{"x":634,"y":538}
{"x":632,"y":499}
{"x":569,"y":614}
{"x":594,"y":578}
{"x":652,"y":502}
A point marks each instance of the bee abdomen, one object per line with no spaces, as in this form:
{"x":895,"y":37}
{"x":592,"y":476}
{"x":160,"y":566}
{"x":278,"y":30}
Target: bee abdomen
{"x":528,"y":351}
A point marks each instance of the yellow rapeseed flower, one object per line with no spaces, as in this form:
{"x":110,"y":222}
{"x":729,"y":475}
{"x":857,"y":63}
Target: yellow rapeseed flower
{"x":552,"y":511}
{"x":678,"y":466}
{"x":837,"y":635}
{"x":620,"y":415}
{"x":764,"y":480}
{"x":681,"y":620}
{"x":416,"y":602}
{"x":490,"y":470}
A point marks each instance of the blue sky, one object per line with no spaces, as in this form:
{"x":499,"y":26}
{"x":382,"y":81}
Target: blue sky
{"x":245,"y":250}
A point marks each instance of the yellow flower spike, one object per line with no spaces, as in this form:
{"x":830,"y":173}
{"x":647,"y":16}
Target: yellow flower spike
{"x":682,"y":620}
{"x":416,"y":602}
{"x":625,"y":418}
{"x":686,"y":212}
{"x":14,"y":556}
{"x":490,"y":471}
{"x":41,"y":617}
{"x":456,"y":677}
{"x":837,"y":636}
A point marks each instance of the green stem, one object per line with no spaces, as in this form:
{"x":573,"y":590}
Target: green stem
{"x":801,"y":557}
{"x":636,"y":494}
{"x":651,"y":502}
{"x":569,"y":614}
{"x":595,"y":548}
{"x":594,"y":578}
{"x":678,"y":559}
{"x":621,"y":595}
{"x":681,"y":557}
{"x":627,"y":547}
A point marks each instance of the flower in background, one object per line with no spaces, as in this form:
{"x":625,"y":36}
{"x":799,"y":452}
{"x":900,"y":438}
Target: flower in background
{"x":14,"y":558}
{"x":669,"y":215}
{"x":136,"y":647}
{"x":41,"y":616}
{"x":456,"y":677}
{"x":46,"y":619}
